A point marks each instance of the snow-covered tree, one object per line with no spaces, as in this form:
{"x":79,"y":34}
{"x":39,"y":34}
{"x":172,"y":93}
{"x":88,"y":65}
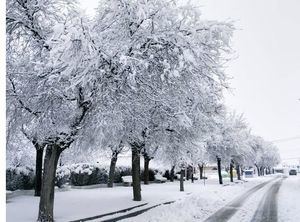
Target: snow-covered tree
{"x":167,"y":60}
{"x":46,"y":83}
{"x":266,"y":154}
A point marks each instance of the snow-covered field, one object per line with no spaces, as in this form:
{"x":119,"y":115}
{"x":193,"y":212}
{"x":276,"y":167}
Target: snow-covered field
{"x":196,"y":203}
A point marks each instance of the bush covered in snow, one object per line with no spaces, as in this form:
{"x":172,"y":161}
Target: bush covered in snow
{"x":62,"y":176}
{"x":87,"y":174}
{"x":82,"y":174}
{"x":19,"y":178}
{"x":121,"y":171}
{"x":151,"y":174}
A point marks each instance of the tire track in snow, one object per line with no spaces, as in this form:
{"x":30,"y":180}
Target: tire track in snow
{"x":268,"y":210}
{"x":108,"y":214}
{"x":226,"y":212}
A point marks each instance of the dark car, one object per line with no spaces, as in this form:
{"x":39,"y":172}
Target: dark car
{"x":293,"y":172}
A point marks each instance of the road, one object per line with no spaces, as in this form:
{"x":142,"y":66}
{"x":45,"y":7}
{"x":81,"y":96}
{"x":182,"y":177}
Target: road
{"x":267,"y":208}
{"x":226,"y":212}
{"x":274,"y":201}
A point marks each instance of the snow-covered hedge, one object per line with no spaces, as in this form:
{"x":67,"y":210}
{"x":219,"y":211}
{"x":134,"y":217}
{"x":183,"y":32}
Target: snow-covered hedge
{"x":81,"y":174}
{"x":121,"y":171}
{"x":19,"y":178}
{"x":87,"y":174}
{"x":151,"y":174}
{"x":62,"y":175}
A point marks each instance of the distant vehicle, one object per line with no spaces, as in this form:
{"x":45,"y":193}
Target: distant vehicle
{"x":248,"y":173}
{"x":278,"y":170}
{"x":293,"y":172}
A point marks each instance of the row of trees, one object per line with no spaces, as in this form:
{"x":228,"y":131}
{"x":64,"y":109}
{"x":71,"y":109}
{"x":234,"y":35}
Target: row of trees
{"x":144,"y":75}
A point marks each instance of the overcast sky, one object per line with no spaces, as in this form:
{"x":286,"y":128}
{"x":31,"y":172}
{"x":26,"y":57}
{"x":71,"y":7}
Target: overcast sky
{"x":266,"y":71}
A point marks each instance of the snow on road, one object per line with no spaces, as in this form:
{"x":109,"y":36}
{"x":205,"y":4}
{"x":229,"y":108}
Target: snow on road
{"x":226,"y":212}
{"x":246,"y":212}
{"x":199,"y":205}
{"x":197,"y":202}
{"x":289,"y":200}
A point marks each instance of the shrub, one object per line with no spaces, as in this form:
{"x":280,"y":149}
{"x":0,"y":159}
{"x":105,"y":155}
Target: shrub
{"x":152,"y":173}
{"x":86,"y":174}
{"x":62,"y":176}
{"x":167,"y":174}
{"x":121,"y":171}
{"x":19,"y":178}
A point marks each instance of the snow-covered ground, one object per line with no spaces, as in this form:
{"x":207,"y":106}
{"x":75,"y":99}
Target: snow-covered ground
{"x":199,"y":205}
{"x":196,"y":203}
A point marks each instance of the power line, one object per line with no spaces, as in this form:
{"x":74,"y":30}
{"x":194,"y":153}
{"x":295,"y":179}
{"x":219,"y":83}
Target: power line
{"x":286,"y":139}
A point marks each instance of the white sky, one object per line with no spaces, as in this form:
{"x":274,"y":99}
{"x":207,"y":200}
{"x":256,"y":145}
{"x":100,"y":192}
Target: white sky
{"x":266,"y":72}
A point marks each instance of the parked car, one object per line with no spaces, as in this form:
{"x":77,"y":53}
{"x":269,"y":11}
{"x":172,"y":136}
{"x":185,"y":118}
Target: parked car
{"x":293,"y":172}
{"x":278,"y":170}
{"x":248,"y":173}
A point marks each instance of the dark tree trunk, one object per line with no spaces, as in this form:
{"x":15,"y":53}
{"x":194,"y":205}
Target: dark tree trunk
{"x":38,"y":170}
{"x":47,"y":192}
{"x":192,"y":175}
{"x":181,"y":180}
{"x":219,"y":170}
{"x":172,"y":174}
{"x":188,"y":172}
{"x":201,"y":171}
{"x":258,"y":171}
{"x":262,"y":173}
{"x":112,"y":169}
{"x":146,"y":169}
{"x":238,"y":172}
{"x":231,"y":171}
{"x":136,"y":182}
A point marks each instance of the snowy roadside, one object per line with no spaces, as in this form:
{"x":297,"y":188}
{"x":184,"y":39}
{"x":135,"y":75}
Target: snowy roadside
{"x":197,"y":202}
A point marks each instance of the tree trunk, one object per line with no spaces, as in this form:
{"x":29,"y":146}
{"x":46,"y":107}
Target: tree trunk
{"x":181,"y":180}
{"x":262,"y":173}
{"x":231,"y":171}
{"x":146,"y":169}
{"x":188,"y":172}
{"x":192,"y":175}
{"x":38,"y":170}
{"x":112,"y":169}
{"x":201,"y":171}
{"x":136,"y":182}
{"x":258,"y":172}
{"x":47,"y":192}
{"x":238,"y":172}
{"x":219,"y":170}
{"x":172,"y":174}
